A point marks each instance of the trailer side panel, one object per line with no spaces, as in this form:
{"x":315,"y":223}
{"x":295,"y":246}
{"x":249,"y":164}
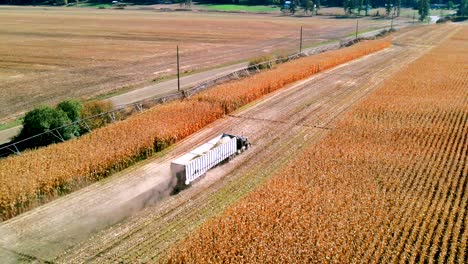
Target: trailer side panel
{"x":200,"y":165}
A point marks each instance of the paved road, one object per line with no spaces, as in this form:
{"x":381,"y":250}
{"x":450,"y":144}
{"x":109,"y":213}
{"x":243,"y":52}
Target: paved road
{"x":7,"y":134}
{"x":155,"y":90}
{"x":170,"y":86}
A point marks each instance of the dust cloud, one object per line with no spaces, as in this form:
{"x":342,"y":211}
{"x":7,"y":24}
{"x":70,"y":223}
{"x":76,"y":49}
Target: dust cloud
{"x":55,"y":230}
{"x":129,"y":202}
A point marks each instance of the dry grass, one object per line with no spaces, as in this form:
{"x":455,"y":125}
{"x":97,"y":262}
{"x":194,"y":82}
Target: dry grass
{"x":47,"y":172}
{"x":58,"y":53}
{"x":388,"y":185}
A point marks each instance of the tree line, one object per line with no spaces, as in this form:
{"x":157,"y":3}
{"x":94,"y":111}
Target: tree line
{"x":317,"y":3}
{"x":62,"y":123}
{"x":350,"y":6}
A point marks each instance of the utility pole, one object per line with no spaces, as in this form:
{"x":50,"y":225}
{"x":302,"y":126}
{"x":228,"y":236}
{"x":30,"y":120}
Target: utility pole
{"x":357,"y":27}
{"x":300,"y":43}
{"x":178,"y":70}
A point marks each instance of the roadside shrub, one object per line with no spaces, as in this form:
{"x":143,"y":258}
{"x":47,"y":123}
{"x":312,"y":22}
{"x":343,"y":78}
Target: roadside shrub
{"x":72,"y":108}
{"x":45,"y":172}
{"x":93,"y":108}
{"x":43,"y":119}
{"x":261,"y":62}
{"x":282,"y":56}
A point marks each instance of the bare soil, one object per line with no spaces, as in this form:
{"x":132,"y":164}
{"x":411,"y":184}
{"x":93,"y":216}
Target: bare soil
{"x":50,"y":54}
{"x":73,"y":228}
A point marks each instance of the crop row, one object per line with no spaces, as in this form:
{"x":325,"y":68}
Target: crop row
{"x":40,"y":175}
{"x":388,"y":185}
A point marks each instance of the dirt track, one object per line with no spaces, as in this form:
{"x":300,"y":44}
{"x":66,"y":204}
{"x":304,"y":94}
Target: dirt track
{"x":49,"y":54}
{"x":170,"y":86}
{"x":279,"y":126}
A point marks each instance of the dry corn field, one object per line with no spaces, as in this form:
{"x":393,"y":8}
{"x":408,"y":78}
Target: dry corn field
{"x":387,"y":185}
{"x":44,"y":173}
{"x":40,"y":175}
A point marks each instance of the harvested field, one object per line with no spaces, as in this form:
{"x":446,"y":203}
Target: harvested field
{"x":47,"y":55}
{"x":388,"y":185}
{"x":280,"y":126}
{"x":61,"y":168}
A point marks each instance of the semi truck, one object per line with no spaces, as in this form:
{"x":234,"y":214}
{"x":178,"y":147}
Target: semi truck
{"x":197,"y":162}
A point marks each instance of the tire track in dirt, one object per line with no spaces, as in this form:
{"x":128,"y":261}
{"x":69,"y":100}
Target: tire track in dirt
{"x":56,"y":228}
{"x":147,"y":235}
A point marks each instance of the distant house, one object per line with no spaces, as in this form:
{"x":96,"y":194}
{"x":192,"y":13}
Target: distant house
{"x":287,"y":4}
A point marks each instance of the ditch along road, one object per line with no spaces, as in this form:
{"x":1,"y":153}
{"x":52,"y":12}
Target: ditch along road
{"x":130,"y":216}
{"x":170,"y":86}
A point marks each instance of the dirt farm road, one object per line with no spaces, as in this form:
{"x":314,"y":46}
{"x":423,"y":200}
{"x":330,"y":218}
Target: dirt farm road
{"x":170,"y":86}
{"x":87,"y":226}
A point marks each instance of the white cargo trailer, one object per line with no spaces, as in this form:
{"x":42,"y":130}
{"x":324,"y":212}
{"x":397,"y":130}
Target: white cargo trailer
{"x":197,"y":162}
